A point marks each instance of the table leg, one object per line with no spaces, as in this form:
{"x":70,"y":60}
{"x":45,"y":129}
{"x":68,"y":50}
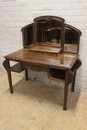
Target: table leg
{"x":26,"y":74}
{"x":6,"y":64}
{"x":66,"y":89}
{"x":73,"y":83}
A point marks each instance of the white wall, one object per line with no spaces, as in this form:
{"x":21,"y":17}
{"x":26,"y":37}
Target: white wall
{"x":14,"y":14}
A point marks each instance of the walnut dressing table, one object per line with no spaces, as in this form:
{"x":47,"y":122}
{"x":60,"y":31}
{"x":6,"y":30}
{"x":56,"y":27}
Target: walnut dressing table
{"x":49,"y":45}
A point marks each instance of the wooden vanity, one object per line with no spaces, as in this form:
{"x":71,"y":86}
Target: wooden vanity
{"x":49,"y":45}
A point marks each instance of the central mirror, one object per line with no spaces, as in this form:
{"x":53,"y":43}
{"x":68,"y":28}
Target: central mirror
{"x":49,"y":33}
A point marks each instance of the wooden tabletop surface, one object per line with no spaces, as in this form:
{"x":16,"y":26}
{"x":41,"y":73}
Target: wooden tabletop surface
{"x":64,"y":60}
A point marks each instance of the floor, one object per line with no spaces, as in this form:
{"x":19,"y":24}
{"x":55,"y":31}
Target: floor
{"x":38,"y":106}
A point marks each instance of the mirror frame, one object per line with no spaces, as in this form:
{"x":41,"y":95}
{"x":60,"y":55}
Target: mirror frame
{"x":78,"y":41}
{"x":48,"y":18}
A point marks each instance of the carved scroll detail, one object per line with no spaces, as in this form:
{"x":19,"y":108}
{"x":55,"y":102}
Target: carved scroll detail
{"x":76,"y":65}
{"x":5,"y":64}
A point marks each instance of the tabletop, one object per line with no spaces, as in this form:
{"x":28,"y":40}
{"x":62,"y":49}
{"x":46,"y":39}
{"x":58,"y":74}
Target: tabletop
{"x":63,"y":60}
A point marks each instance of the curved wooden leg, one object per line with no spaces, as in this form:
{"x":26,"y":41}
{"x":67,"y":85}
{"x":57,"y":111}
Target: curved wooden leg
{"x":26,"y":74}
{"x":74,"y":69}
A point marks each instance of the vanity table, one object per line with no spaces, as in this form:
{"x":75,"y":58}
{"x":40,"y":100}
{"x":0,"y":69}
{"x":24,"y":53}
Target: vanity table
{"x":49,"y":45}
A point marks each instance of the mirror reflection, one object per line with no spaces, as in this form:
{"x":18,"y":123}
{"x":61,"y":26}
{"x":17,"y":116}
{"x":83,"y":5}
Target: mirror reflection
{"x":71,"y":39}
{"x":49,"y":32}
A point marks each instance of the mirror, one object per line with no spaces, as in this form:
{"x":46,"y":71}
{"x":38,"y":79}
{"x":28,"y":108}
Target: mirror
{"x":49,"y":32}
{"x":71,"y":39}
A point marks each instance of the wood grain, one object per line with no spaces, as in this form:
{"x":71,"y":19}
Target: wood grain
{"x":64,"y":60}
